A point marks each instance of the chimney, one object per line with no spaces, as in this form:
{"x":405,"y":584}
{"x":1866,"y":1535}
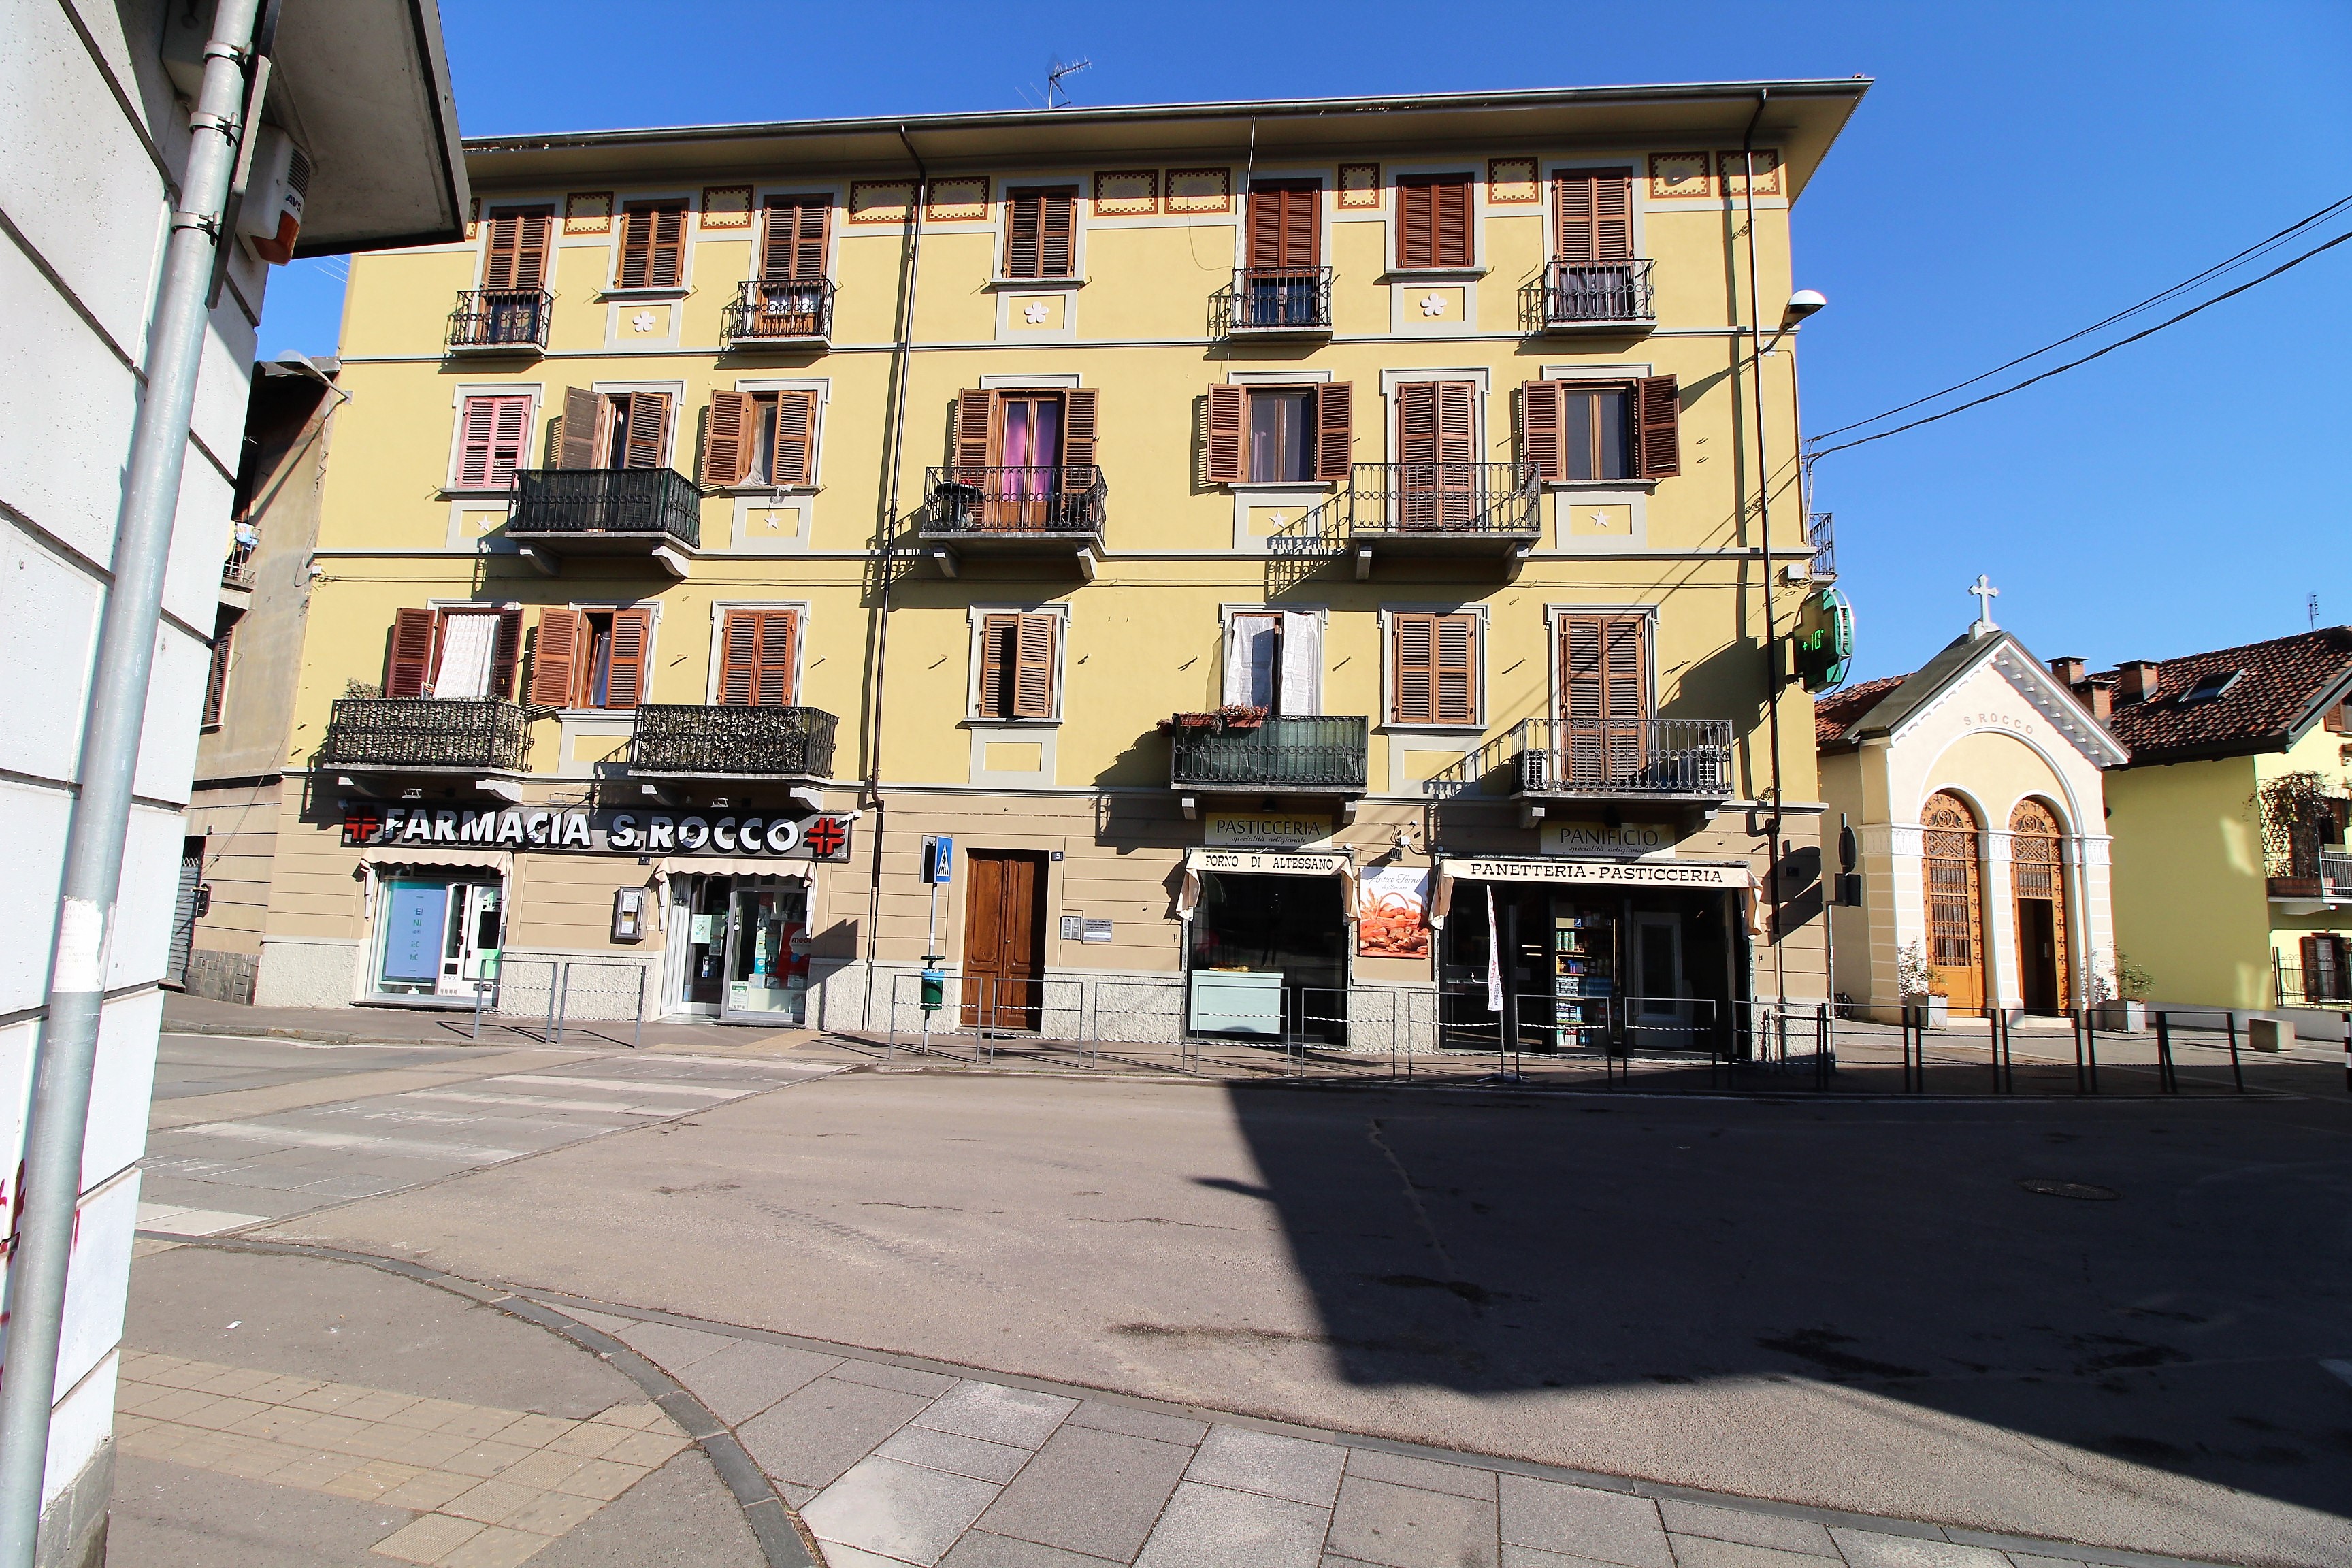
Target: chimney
{"x":2099,"y":699}
{"x":2070,"y":670}
{"x":2135,"y":681}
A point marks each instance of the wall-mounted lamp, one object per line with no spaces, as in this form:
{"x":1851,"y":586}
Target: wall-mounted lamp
{"x":1801,"y":304}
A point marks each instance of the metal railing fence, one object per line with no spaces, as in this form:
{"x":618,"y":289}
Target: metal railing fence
{"x":1589,"y":293}
{"x":780,"y":312}
{"x":1273,"y":298}
{"x":502,"y":319}
{"x":606,"y":500}
{"x":1051,"y":499}
{"x":427,"y":732}
{"x":730,"y":741}
{"x":1325,"y":752}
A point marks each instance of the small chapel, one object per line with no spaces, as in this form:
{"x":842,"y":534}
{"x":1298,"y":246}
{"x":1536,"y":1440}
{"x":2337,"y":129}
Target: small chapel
{"x":1966,"y":814}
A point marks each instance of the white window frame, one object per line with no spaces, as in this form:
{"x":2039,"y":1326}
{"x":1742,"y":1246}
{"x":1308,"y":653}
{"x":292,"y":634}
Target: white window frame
{"x":834,"y":189}
{"x":718,"y":608}
{"x":820,"y":385}
{"x":1555,"y":614}
{"x":976,"y":618}
{"x":534,"y":435}
{"x":1485,"y":628}
{"x":1000,"y":222}
{"x":1230,"y":608}
{"x":606,"y":608}
{"x":677,"y":390}
{"x":610,"y":288}
{"x":1480,"y":375}
{"x":1392,"y":222}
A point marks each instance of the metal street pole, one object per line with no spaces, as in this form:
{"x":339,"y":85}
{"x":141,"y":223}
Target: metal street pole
{"x":110,"y":755}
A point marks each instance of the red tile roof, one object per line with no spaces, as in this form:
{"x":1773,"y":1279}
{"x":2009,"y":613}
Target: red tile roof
{"x":2279,"y":683}
{"x":1835,"y":713}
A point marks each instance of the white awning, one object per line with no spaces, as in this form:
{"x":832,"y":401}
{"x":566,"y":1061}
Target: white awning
{"x":500,"y":861}
{"x":1659,"y":873}
{"x":730,"y":865}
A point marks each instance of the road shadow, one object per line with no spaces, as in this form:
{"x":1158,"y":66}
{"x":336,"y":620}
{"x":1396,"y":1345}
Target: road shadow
{"x":2157,"y":1282}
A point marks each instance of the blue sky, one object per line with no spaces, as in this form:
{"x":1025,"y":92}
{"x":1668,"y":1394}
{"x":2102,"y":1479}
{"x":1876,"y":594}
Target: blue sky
{"x":2019,"y":170}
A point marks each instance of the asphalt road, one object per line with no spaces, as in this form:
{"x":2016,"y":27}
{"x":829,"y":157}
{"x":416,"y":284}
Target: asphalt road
{"x":1849,"y":1305}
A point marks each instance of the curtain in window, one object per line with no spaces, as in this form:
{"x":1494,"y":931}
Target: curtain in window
{"x":469,"y":644}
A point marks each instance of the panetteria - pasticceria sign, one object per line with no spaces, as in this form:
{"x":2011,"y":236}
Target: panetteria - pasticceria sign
{"x":580,"y":832}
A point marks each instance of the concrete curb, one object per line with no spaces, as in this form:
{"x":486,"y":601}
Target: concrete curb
{"x":774,"y":1525}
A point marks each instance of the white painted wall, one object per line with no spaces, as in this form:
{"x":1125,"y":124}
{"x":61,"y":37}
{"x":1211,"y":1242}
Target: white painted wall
{"x":80,"y":185}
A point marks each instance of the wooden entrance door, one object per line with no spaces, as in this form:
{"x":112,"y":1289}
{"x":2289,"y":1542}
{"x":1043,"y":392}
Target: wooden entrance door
{"x":1004,"y":940}
{"x":2037,"y":870}
{"x":1955,"y":892}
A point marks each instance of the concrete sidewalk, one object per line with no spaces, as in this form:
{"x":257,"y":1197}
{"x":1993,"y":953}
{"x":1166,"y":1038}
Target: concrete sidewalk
{"x":408,"y":1425}
{"x":188,"y":1015}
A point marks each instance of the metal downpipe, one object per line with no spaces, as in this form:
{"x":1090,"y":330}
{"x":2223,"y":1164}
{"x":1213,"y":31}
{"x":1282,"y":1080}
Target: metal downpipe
{"x":68,"y":1051}
{"x":1764,"y":534}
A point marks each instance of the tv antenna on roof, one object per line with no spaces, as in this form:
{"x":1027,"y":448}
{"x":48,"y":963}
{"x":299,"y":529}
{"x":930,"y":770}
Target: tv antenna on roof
{"x":1054,"y":75}
{"x":2311,"y":609}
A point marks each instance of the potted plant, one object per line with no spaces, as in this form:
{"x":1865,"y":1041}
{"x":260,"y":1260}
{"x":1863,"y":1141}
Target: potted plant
{"x":2119,"y":1004}
{"x":1921,"y":987}
{"x":1219,"y":720}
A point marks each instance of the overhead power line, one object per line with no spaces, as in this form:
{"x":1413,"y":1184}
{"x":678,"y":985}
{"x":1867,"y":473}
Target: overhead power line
{"x":2257,"y":248}
{"x":2072,"y":364}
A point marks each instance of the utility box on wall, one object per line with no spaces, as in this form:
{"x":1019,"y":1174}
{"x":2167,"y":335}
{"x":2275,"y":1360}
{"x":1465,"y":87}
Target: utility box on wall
{"x":628,"y":914}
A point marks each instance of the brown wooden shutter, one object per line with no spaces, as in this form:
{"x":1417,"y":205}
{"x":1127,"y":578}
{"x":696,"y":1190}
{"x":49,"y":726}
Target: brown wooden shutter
{"x":625,"y":664}
{"x":653,"y":245}
{"x":507,"y":653}
{"x":553,"y":654}
{"x":791,"y":246}
{"x":999,"y":645}
{"x":975,"y":439}
{"x":1457,"y":669}
{"x":1593,"y":215}
{"x":1227,"y":410}
{"x":1032,"y":685}
{"x":1078,"y":429}
{"x":1285,"y":228}
{"x":1543,"y":428}
{"x":1660,"y":451}
{"x":1058,"y":235}
{"x":576,"y":446}
{"x":1415,"y":231}
{"x":1604,"y":695}
{"x":637,"y":247}
{"x":648,"y":425}
{"x":411,"y":662}
{"x":1335,"y":433}
{"x":757,"y":659}
{"x":795,"y":462}
{"x":1413,"y":668}
{"x":1023,"y":219}
{"x":726,"y":454}
{"x":1450,"y":221}
{"x":670,"y":247}
{"x":518,"y":252}
{"x":506,"y":233}
{"x":216,"y":677}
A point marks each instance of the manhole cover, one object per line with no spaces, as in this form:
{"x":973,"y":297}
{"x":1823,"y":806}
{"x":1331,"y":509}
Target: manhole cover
{"x":2050,"y":1189}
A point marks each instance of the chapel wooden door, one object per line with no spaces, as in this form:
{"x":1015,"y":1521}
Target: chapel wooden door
{"x":2037,"y":870}
{"x":1004,"y":940}
{"x":1955,"y":892}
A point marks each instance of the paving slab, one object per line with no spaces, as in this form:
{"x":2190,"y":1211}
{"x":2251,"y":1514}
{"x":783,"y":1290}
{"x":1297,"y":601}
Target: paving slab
{"x":897,"y":1510}
{"x":1406,"y":1527}
{"x":1608,"y":1527}
{"x":1250,"y":1461}
{"x":815,"y":1434}
{"x":1090,"y":1491}
{"x":1749,"y":1525}
{"x":1212,"y":1527}
{"x":997,"y":1414}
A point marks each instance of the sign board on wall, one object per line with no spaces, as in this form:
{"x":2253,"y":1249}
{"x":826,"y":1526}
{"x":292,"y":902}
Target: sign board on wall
{"x":1632,"y":840}
{"x":1393,"y":913}
{"x":821,"y":837}
{"x":1613,"y":873}
{"x":1266,"y":862}
{"x":1264,"y":830}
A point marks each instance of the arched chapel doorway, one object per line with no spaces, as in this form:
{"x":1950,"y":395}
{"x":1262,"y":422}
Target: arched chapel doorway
{"x":1951,"y":865}
{"x":2037,"y":870}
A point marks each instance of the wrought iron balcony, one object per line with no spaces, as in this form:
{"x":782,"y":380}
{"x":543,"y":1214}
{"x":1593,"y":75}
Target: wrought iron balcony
{"x":1055,"y":509}
{"x":1820,"y":538}
{"x":1686,"y":759}
{"x":1308,"y":755}
{"x":2312,"y":877}
{"x":427,"y":734}
{"x":237,"y":568}
{"x":609,"y":512}
{"x":509,"y":318}
{"x":680,"y":741}
{"x":1422,"y":508}
{"x":1274,"y":301}
{"x":1589,"y":296}
{"x":782,"y":315}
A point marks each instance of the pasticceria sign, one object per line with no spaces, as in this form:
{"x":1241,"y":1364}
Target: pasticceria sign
{"x":819,"y":837}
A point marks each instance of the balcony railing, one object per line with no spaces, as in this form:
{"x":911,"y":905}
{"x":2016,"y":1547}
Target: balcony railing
{"x":237,"y":568}
{"x":1274,"y":299}
{"x":2325,"y":876}
{"x":502,"y":319}
{"x":1588,"y":294}
{"x":1820,"y":537}
{"x":678,"y":740}
{"x":658,"y":505}
{"x":1682,"y":757}
{"x":1440,"y":497}
{"x":780,"y":313}
{"x":966,"y":501}
{"x":427,"y":732}
{"x":1316,"y":755}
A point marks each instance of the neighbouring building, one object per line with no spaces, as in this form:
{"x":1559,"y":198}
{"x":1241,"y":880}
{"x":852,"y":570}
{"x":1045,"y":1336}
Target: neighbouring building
{"x":2234,"y":886}
{"x":251,"y":679}
{"x":357,"y":133}
{"x":1250,"y":534}
{"x":1972,"y":791}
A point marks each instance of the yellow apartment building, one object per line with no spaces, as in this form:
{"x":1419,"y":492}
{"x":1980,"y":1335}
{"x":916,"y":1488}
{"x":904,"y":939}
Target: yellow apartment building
{"x":1316,"y":569}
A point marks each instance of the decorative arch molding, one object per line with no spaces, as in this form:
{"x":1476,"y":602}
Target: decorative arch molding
{"x":2071,"y":805}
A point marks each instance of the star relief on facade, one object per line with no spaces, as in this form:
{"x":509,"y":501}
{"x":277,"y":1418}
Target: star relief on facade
{"x":1433,"y":304}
